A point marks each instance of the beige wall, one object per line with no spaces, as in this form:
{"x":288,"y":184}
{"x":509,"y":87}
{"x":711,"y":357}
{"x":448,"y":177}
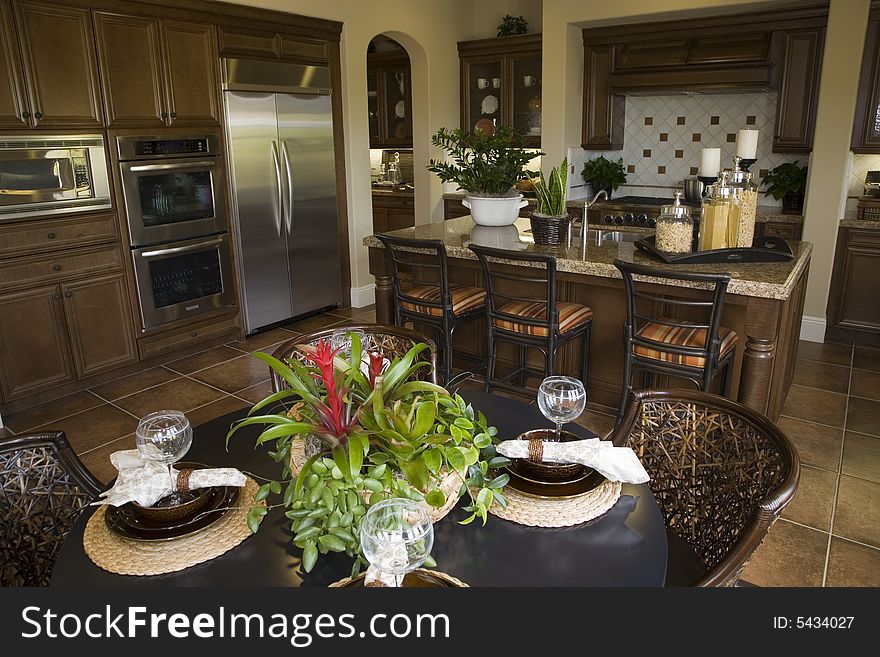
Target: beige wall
{"x":563,"y":89}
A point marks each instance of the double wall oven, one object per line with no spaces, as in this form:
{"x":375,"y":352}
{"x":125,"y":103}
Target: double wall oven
{"x":174,"y":191}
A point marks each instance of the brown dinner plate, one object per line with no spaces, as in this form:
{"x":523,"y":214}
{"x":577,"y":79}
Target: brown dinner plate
{"x":420,"y":578}
{"x":564,"y":491}
{"x":515,"y":468}
{"x":124,"y":522}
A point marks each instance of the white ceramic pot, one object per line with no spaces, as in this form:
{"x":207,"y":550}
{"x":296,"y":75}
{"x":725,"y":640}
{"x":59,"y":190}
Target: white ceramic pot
{"x":498,"y":237}
{"x":494,"y":211}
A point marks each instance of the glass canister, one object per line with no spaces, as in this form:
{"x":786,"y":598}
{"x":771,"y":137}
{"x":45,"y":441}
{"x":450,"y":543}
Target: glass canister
{"x":742,"y":228}
{"x":675,"y":228}
{"x":715,"y":214}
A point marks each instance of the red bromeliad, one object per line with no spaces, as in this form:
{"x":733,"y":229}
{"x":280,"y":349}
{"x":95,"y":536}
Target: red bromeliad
{"x":376,"y":364}
{"x":332,"y":412}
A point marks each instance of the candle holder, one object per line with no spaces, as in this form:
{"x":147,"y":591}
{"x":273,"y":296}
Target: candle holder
{"x":745,"y":163}
{"x":707,"y":180}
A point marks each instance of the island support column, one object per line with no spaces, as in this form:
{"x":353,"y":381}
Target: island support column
{"x":381,"y":270}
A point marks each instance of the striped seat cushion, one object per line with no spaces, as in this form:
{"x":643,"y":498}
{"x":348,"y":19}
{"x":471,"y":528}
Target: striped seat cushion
{"x":571,"y":316}
{"x":681,"y":337}
{"x":463,"y":299}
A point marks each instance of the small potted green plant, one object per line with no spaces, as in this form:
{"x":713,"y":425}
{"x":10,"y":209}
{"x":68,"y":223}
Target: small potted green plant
{"x":550,"y":219}
{"x":511,"y":25}
{"x":487,"y":167}
{"x":787,"y":181}
{"x":603,"y":173}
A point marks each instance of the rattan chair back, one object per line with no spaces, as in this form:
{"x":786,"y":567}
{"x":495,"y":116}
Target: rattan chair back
{"x":720,"y":472}
{"x":44,"y":486}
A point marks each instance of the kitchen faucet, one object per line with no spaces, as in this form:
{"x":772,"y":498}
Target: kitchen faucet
{"x":584,"y":220}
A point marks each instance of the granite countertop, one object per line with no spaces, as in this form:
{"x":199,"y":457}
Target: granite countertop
{"x":764,"y":214}
{"x":406,"y":192}
{"x":851,"y":222}
{"x":771,"y":280}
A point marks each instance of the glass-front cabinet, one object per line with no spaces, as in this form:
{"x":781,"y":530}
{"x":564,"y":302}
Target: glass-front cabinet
{"x":501,"y":85}
{"x":389,"y":100}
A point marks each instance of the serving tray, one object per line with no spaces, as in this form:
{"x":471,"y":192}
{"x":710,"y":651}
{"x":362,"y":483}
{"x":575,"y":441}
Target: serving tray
{"x":763,"y":249}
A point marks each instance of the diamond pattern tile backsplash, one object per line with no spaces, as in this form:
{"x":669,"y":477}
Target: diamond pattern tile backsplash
{"x":663,"y":137}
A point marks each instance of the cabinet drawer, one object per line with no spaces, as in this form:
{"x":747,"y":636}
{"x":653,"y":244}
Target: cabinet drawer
{"x":785,"y":231}
{"x":866,"y":237}
{"x":50,"y":234}
{"x":58,"y":266}
{"x":193,"y":335}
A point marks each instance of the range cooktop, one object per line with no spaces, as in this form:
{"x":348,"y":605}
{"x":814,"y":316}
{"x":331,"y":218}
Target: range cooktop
{"x":635,"y":210}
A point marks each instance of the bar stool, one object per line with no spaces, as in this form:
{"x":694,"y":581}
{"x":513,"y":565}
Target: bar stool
{"x":423,"y":294}
{"x":538,"y":321}
{"x":692,"y":350}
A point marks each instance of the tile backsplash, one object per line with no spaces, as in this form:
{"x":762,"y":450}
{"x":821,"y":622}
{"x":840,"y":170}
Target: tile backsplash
{"x":860,"y":166}
{"x":663,"y":137}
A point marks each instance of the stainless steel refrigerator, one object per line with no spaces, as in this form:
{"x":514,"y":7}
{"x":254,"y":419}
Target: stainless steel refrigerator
{"x":282,"y":168}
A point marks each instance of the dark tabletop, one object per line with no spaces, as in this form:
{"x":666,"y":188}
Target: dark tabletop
{"x":624,"y":547}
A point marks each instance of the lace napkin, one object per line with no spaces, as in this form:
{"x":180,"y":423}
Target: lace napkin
{"x":147,"y":482}
{"x":614,"y":463}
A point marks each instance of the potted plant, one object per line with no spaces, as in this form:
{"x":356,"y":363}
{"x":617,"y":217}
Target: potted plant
{"x":787,"y":181}
{"x":511,"y":25}
{"x":487,"y":167}
{"x":384,"y":435}
{"x":550,"y":219}
{"x":602,"y":173}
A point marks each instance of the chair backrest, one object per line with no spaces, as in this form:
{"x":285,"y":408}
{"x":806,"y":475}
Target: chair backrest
{"x":389,"y":341}
{"x":43,"y":487}
{"x":711,"y":306}
{"x":504,"y":286}
{"x":720,"y":472}
{"x":413,"y":269}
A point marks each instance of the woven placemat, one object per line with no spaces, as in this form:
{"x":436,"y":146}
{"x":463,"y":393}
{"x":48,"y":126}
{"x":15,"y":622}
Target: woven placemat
{"x":534,"y":511}
{"x":454,"y":581}
{"x":125,"y":557}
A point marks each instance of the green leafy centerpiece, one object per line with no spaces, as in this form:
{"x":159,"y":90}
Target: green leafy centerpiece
{"x":382,"y":433}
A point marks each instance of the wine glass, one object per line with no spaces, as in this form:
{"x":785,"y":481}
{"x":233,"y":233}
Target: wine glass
{"x":397,"y":536}
{"x":164,"y":437}
{"x":561,"y":399}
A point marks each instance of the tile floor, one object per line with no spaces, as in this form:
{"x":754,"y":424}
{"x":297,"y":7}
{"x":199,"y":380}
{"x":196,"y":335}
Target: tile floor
{"x":828,"y":536}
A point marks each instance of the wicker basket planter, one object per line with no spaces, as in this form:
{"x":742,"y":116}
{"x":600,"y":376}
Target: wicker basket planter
{"x":549,"y":230}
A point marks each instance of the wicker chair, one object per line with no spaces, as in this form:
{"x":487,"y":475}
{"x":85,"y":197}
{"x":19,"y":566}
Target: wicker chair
{"x":390,"y":341}
{"x":720,"y":472}
{"x":43,"y":486}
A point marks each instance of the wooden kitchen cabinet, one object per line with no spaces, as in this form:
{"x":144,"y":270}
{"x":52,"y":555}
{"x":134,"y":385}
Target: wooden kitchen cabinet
{"x":866,"y":125}
{"x":60,"y":65}
{"x":389,"y":99}
{"x":501,"y":85}
{"x":13,"y":105}
{"x":98,"y":324}
{"x":604,"y":111}
{"x":158,"y":73}
{"x":798,"y":90}
{"x":33,"y":342}
{"x":392,"y":212}
{"x":853,"y":311}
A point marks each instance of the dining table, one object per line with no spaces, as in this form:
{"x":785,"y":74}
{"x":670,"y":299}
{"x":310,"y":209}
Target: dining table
{"x":626,"y":546}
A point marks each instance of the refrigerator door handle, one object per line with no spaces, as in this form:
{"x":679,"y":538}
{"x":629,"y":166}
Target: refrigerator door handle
{"x":289,"y":171}
{"x":280,"y":205}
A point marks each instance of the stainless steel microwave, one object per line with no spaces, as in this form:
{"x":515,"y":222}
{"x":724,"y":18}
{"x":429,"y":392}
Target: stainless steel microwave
{"x":52,"y":175}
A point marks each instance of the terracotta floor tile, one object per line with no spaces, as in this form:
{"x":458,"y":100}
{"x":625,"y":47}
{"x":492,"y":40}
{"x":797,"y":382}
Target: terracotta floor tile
{"x":791,"y":555}
{"x":828,"y":352}
{"x":865,"y":384}
{"x":94,"y":427}
{"x":817,"y":445}
{"x":181,"y":394}
{"x":815,"y":405}
{"x":128,"y":385}
{"x":861,"y":456}
{"x":234,"y":375}
{"x":599,"y":423}
{"x":200,"y":361}
{"x":98,"y":459}
{"x":866,"y":358}
{"x":259,"y":341}
{"x":850,"y":564}
{"x":821,"y":375}
{"x":257,"y":392}
{"x":863,"y":416}
{"x":813,"y":501}
{"x":351,"y":311}
{"x":215,"y":409}
{"x":29,"y":418}
{"x":316,"y":323}
{"x":858,"y":511}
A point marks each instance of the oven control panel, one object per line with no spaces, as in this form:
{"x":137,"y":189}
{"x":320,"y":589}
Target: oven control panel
{"x":154,"y":147}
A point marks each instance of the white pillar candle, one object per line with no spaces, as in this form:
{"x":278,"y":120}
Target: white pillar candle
{"x":710,"y":162}
{"x":747,"y":144}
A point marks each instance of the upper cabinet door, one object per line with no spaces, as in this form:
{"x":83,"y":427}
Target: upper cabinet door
{"x":192,"y":73}
{"x":131,"y":70}
{"x":58,"y":53}
{"x":866,"y":126}
{"x":525,"y":97}
{"x":483,"y":94}
{"x":604,"y":111}
{"x":13,"y":109}
{"x":397,"y":104}
{"x":798,"y":91}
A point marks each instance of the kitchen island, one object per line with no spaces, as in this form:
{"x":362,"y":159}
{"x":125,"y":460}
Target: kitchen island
{"x":764,"y":304}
